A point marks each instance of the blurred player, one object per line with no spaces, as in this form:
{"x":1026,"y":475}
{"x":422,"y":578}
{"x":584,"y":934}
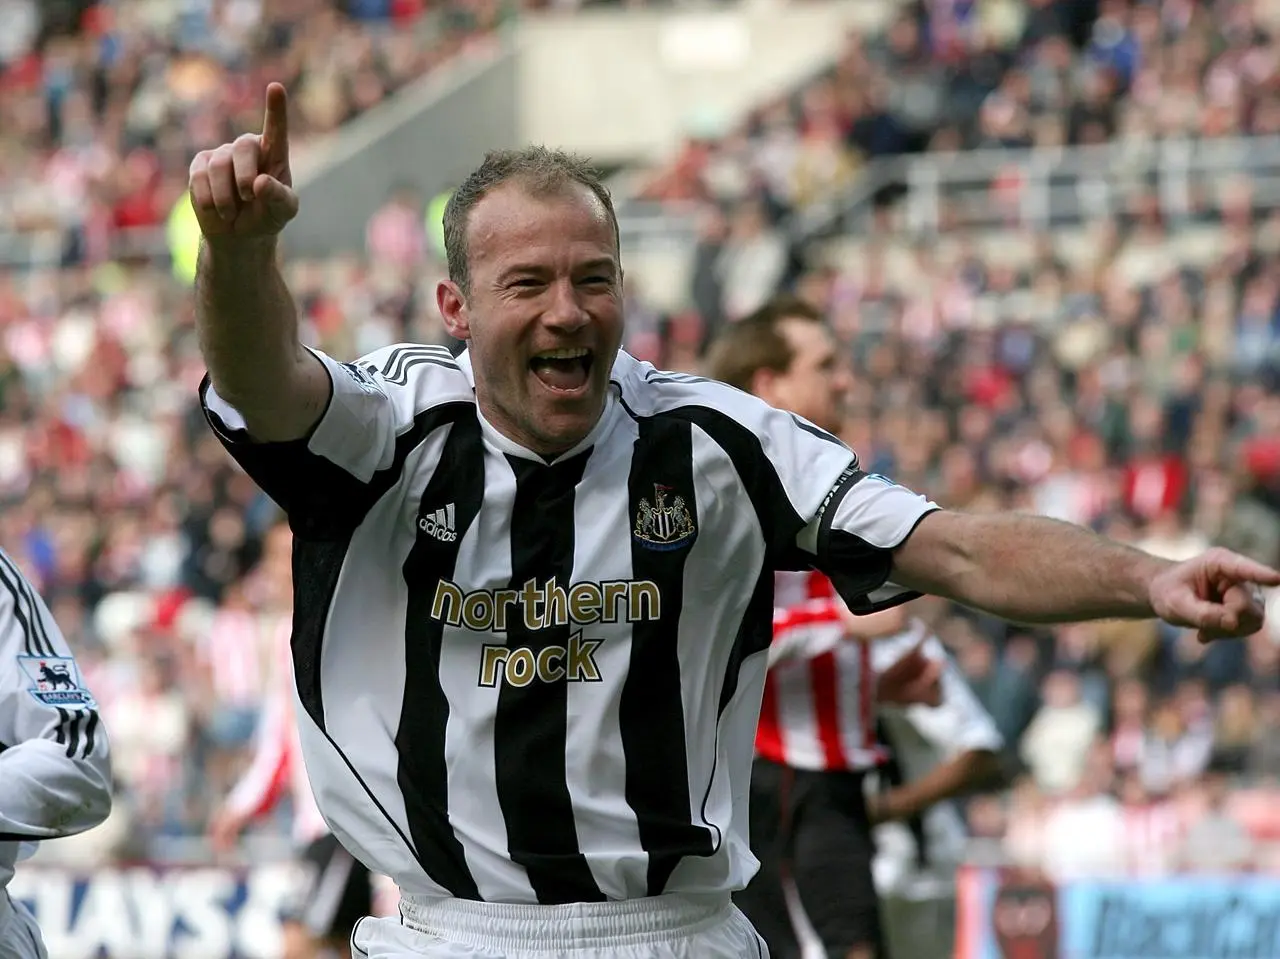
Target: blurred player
{"x":55,"y":768}
{"x":338,"y":890}
{"x":817,"y":735}
{"x":937,"y":752}
{"x":533,"y":582}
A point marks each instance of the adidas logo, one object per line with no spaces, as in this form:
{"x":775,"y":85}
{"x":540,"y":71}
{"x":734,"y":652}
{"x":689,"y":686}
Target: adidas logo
{"x":439,"y":525}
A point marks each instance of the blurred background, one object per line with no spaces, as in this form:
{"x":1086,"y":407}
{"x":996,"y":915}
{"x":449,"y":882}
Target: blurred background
{"x":1047,"y":233}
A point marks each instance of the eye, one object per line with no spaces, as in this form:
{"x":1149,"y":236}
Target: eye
{"x":598,"y":281}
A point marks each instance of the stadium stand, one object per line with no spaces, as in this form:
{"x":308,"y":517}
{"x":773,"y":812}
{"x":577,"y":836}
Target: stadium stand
{"x":1117,"y":366}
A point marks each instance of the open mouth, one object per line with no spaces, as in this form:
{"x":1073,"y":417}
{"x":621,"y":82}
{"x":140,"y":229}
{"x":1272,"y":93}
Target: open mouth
{"x":563,"y":371}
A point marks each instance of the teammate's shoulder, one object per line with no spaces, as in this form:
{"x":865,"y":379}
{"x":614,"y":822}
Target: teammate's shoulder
{"x":650,"y":391}
{"x":414,"y":366}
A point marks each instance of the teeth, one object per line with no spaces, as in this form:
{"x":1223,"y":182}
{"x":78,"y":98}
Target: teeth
{"x":564,"y":354}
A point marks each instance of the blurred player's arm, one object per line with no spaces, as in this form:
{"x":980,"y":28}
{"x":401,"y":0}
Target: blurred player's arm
{"x":957,"y":727}
{"x":263,"y":782}
{"x":55,"y":767}
{"x":964,"y":773}
{"x":878,"y":625}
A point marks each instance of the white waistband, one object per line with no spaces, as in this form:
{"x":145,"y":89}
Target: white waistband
{"x":498,"y":925}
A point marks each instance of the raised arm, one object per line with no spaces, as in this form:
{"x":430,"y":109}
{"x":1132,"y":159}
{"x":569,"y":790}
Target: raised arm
{"x":1037,"y":570}
{"x":245,"y":316}
{"x":55,"y":770}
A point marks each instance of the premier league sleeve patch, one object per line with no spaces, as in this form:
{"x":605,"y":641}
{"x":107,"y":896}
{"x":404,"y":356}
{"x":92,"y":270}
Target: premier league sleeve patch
{"x":55,"y":681}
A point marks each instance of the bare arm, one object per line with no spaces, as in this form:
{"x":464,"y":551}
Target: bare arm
{"x":1028,"y":568}
{"x":248,"y":328}
{"x":245,"y":316}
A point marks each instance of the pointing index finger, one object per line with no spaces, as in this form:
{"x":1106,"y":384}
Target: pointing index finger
{"x":1242,"y":569}
{"x":275,"y":125}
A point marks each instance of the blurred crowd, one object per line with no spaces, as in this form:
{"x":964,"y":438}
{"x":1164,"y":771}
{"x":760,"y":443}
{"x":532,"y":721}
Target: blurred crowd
{"x":1119,"y":383}
{"x":103,"y":105}
{"x":989,"y":74}
{"x":1116,"y":373}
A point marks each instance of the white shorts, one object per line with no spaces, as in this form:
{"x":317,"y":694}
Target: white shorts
{"x":662,"y":927}
{"x":19,"y":934}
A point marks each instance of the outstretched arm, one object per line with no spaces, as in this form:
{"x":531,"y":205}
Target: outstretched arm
{"x":245,"y":315}
{"x":1037,"y":570}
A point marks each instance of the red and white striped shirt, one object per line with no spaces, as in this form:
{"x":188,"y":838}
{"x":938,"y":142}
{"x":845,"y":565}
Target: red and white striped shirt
{"x":819,"y":704}
{"x":238,"y":650}
{"x":1152,"y":833}
{"x":277,"y":761}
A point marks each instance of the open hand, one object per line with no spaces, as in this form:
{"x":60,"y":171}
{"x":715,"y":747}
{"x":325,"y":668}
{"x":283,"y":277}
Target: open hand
{"x":1218,"y":594}
{"x":244,"y":188}
{"x":915,"y":678}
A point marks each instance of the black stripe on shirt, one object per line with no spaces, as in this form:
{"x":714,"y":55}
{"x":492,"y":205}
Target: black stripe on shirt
{"x":73,"y":734}
{"x":36,"y":637}
{"x":64,"y":719}
{"x":35,"y":641}
{"x":402,"y":378}
{"x":90,"y":729}
{"x":755,"y":633}
{"x":531,"y":725}
{"x":319,"y":553}
{"x":396,"y":362}
{"x":651,"y":709}
{"x":779,"y":521}
{"x":423,"y":775}
{"x":321,"y":542}
{"x":780,"y":524}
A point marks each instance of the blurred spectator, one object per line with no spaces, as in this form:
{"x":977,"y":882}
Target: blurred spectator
{"x":1084,"y":832}
{"x":1216,"y":842}
{"x":1057,"y":743}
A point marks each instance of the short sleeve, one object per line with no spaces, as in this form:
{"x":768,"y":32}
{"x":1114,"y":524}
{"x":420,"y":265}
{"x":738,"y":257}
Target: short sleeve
{"x":55,"y":765}
{"x":859,"y":524}
{"x":379,"y":406}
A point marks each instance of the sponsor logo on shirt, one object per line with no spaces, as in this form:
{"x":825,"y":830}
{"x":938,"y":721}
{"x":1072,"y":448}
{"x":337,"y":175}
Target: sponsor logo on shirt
{"x":573,"y":662}
{"x":55,"y":681}
{"x":439,"y":524}
{"x":541,"y":605}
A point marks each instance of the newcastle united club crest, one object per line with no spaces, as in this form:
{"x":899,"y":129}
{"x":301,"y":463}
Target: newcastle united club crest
{"x":661,"y":525}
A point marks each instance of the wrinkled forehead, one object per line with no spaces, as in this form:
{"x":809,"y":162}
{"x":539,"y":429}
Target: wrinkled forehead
{"x":564,"y":222}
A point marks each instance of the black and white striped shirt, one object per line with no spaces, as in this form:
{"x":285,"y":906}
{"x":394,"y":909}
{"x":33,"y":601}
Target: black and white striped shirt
{"x":539,"y":682}
{"x":55,"y":770}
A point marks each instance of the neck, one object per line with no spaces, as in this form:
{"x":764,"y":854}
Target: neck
{"x":549,"y":448}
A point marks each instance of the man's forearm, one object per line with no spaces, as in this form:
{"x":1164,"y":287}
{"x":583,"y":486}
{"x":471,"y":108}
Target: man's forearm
{"x":248,"y":328}
{"x":1028,"y":568}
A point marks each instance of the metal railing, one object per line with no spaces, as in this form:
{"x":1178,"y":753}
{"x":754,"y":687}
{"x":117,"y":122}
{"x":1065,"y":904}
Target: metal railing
{"x":46,"y":249}
{"x":1041,"y":188}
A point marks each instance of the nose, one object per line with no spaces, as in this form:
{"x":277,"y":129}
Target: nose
{"x":565,"y":312}
{"x":843,"y":384}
